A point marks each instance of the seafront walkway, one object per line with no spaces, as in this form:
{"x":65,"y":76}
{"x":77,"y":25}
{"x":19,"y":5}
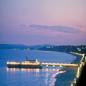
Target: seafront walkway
{"x":79,"y":69}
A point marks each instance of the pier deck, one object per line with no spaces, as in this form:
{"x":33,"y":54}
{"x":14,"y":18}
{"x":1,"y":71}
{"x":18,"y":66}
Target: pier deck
{"x":59,"y":64}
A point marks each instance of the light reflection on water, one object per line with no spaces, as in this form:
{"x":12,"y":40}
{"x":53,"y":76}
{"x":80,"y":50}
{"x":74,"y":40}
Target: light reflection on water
{"x":22,"y":69}
{"x":32,"y":70}
{"x":49,"y":74}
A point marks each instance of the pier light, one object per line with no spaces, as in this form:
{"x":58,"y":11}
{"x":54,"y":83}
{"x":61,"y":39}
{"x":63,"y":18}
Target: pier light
{"x":53,"y":65}
{"x":7,"y":62}
{"x":46,"y":65}
{"x":37,"y":61}
{"x":12,"y":63}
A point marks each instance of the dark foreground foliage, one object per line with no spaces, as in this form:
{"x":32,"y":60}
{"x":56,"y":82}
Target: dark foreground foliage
{"x":82,"y":80}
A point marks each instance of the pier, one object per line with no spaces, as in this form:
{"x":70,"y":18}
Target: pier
{"x":59,"y":64}
{"x":27,"y":63}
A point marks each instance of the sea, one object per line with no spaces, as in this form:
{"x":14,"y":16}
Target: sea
{"x":47,"y":76}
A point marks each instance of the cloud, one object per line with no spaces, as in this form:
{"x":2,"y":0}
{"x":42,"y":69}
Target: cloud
{"x":65,"y":29}
{"x":80,"y":25}
{"x":22,"y":26}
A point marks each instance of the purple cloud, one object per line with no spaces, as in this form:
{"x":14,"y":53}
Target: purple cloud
{"x":65,"y":29}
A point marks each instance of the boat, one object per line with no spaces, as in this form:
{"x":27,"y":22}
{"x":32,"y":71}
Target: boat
{"x":24,"y":64}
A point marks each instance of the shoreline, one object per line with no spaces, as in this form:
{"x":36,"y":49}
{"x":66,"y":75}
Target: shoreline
{"x":78,"y":58}
{"x":69,"y":72}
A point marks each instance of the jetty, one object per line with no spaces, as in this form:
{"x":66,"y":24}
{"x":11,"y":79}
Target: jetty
{"x":59,"y":64}
{"x":24,"y":64}
{"x":33,"y":64}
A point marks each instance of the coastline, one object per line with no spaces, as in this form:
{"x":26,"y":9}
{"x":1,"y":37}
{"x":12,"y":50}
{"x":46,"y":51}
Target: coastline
{"x":70,"y":73}
{"x":78,"y":58}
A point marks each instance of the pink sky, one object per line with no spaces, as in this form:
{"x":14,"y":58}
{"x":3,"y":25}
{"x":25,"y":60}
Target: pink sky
{"x":16,"y":16}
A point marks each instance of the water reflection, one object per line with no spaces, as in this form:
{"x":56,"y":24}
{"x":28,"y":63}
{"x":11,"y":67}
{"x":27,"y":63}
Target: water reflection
{"x":22,"y":69}
{"x":30,"y":70}
{"x":12,"y":69}
{"x":44,"y":76}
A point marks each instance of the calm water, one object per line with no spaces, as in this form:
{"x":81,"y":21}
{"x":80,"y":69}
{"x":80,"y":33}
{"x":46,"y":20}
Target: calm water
{"x":31,"y":77}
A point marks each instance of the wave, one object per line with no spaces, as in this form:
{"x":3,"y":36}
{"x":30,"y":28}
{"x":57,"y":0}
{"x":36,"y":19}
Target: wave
{"x":53,"y":77}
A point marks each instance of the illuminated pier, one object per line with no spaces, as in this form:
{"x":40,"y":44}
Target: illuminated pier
{"x":59,"y":64}
{"x":28,"y":63}
{"x":24,"y":64}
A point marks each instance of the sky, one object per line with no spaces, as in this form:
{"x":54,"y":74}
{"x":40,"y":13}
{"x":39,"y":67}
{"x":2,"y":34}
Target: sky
{"x":33,"y":22}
